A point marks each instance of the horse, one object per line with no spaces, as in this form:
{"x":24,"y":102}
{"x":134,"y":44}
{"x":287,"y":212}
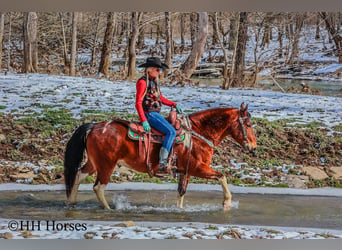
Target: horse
{"x":99,"y":147}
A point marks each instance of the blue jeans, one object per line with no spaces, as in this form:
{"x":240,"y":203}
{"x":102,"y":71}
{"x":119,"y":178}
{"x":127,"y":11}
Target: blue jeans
{"x":157,"y":121}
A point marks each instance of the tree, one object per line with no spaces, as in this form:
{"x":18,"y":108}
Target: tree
{"x":96,"y":34}
{"x":334,"y":32}
{"x":73,"y":44}
{"x":219,"y":38}
{"x":238,"y":64}
{"x":168,"y":38}
{"x":30,"y":42}
{"x":136,"y":18}
{"x":233,"y":30}
{"x":200,"y":39}
{"x":2,"y":26}
{"x":107,"y":44}
{"x":296,"y":35}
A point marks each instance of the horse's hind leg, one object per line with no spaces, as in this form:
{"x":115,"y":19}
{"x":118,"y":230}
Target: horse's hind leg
{"x":103,"y":175}
{"x":81,"y":175}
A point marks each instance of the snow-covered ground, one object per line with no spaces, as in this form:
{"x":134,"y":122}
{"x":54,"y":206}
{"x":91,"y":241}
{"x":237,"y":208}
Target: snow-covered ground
{"x":23,"y":93}
{"x":165,"y":230}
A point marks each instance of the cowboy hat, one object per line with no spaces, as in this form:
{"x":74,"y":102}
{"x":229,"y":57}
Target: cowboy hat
{"x":153,"y":62}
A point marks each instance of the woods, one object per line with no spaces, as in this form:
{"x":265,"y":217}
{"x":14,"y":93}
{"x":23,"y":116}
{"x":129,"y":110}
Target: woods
{"x":111,"y":44}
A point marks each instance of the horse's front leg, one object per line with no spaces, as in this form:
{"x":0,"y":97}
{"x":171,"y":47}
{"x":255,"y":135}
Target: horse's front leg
{"x":227,"y":196}
{"x":183,"y":181}
{"x":204,"y":171}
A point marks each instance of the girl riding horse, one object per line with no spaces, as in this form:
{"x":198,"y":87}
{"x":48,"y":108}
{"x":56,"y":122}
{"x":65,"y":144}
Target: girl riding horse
{"x":148,"y":104}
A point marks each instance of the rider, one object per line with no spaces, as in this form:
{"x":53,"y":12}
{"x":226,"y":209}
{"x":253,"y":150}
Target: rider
{"x":148,"y":104}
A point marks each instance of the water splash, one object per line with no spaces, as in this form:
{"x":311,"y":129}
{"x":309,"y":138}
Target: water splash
{"x":121,"y":202}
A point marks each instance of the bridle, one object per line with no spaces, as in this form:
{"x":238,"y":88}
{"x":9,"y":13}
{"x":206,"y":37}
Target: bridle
{"x":244,"y":133}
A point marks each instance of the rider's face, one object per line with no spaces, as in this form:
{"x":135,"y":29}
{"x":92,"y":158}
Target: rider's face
{"x":154,"y":72}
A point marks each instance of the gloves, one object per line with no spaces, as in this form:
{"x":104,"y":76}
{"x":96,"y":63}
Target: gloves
{"x":146,"y":126}
{"x":178,"y":109}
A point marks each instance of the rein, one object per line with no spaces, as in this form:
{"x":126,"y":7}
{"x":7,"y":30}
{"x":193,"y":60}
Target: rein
{"x":209,"y":142}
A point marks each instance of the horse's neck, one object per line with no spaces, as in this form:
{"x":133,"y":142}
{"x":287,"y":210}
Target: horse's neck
{"x":215,"y":123}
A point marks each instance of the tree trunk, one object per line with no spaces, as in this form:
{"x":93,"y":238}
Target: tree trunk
{"x":136,"y":17}
{"x":2,"y":28}
{"x":168,"y":52}
{"x":141,"y":38}
{"x":193,"y":26}
{"x":330,"y":24}
{"x":233,"y":31}
{"x":317,"y":36}
{"x":299,"y":25}
{"x":225,"y":55}
{"x":30,"y":42}
{"x":65,"y":48}
{"x":267,"y":30}
{"x":96,"y":34}
{"x":182,"y":30}
{"x":73,"y":44}
{"x":198,"y":46}
{"x":107,"y":44}
{"x":239,"y":63}
{"x":9,"y":41}
{"x":215,"y":38}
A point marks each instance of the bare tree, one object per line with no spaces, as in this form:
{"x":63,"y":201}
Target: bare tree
{"x":2,"y":28}
{"x":30,"y":42}
{"x":96,"y":34}
{"x":296,"y":35}
{"x":107,"y":44}
{"x":73,"y":44}
{"x":182,"y":32}
{"x":219,"y":38}
{"x":136,"y":18}
{"x":168,"y":38}
{"x":334,"y":32}
{"x":267,"y":29}
{"x":233,"y":30}
{"x":238,"y":65}
{"x":197,"y":47}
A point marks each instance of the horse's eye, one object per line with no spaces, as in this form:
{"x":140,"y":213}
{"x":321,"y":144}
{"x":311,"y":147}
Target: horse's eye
{"x":249,"y":125}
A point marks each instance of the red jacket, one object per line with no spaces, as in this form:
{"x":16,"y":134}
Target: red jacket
{"x":141,"y":87}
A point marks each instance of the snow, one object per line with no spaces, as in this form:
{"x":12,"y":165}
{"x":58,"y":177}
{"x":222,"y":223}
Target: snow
{"x":27,"y":93}
{"x":329,"y":69}
{"x":165,"y":230}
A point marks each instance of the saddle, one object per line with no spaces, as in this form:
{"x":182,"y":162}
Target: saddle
{"x":137,"y":132}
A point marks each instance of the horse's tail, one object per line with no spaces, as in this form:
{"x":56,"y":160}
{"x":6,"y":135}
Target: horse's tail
{"x":74,"y":155}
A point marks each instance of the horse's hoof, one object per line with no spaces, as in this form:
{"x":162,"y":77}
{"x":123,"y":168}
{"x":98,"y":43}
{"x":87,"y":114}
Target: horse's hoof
{"x":227,"y":206}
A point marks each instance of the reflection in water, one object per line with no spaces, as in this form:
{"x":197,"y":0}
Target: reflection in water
{"x":248,"y":209}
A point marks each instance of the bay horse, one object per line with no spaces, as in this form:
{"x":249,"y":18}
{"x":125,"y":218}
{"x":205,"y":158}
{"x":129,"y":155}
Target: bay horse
{"x":99,"y":147}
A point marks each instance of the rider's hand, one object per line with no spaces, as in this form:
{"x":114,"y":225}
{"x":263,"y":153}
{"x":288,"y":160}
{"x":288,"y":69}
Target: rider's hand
{"x":146,"y":126}
{"x":178,"y":109}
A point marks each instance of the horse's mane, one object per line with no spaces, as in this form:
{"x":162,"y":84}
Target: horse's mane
{"x":204,"y":113}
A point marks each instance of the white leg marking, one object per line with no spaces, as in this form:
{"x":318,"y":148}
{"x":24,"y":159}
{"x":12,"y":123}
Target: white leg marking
{"x":99,"y":190}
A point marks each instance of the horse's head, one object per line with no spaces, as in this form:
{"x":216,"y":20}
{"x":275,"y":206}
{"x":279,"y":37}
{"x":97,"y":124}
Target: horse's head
{"x":244,"y":133}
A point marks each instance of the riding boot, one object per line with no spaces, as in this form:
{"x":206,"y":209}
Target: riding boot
{"x":163,"y":157}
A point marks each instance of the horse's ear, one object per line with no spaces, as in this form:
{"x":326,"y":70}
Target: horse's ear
{"x":243,"y":108}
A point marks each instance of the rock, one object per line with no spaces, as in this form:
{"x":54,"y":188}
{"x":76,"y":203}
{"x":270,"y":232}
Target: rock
{"x":18,"y":176}
{"x":126,"y":224}
{"x":315,"y":173}
{"x":294,"y":181}
{"x":2,"y":137}
{"x":336,"y":172}
{"x":6,"y":235}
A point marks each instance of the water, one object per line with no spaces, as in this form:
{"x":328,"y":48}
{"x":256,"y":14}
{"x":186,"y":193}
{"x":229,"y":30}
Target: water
{"x":329,"y":88}
{"x":248,"y":209}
